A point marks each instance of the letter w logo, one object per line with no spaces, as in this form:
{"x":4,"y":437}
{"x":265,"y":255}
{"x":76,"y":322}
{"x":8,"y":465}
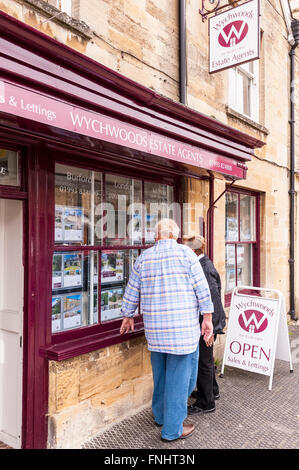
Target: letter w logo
{"x":253,"y":321}
{"x":233,"y":34}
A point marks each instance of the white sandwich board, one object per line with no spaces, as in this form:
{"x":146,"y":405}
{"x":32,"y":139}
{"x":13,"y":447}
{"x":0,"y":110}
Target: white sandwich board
{"x":257,"y":331}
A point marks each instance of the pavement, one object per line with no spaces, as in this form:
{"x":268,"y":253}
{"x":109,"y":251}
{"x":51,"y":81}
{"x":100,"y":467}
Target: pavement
{"x":247,"y":416}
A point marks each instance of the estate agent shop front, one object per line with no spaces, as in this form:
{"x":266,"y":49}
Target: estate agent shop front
{"x":85,"y":152}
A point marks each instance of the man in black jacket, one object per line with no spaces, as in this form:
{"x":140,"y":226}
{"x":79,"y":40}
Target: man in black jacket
{"x":207,"y":388}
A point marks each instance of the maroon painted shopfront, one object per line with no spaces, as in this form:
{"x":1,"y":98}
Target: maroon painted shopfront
{"x":67,"y":118}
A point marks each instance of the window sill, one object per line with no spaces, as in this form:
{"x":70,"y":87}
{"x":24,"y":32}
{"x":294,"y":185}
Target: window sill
{"x":69,"y":349}
{"x":246,"y":120}
{"x":77,"y":26}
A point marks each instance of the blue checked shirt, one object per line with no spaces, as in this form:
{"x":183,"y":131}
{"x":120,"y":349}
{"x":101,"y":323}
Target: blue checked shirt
{"x":173,"y":290}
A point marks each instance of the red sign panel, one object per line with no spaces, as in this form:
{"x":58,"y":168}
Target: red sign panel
{"x":44,"y":109}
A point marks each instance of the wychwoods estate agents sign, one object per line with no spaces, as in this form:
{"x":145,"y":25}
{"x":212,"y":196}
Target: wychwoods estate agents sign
{"x":257,"y":332}
{"x":235,"y":36}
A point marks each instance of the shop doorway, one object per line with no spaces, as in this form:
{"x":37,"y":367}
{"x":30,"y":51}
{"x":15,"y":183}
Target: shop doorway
{"x":11,"y":321}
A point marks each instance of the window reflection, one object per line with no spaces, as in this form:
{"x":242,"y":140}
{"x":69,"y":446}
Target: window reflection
{"x":231,"y":217}
{"x":195,"y":205}
{"x":230,"y":263}
{"x":247,"y":218}
{"x":77,"y":193}
{"x":9,"y":168}
{"x":158,"y":199}
{"x":124,"y":213}
{"x":244,"y":262}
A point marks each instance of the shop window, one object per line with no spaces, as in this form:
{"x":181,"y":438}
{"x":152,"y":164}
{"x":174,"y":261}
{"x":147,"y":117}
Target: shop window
{"x":242,"y":241}
{"x":9,"y":168}
{"x":103,"y":222}
{"x":244,"y":89}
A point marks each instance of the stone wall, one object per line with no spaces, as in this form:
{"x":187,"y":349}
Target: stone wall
{"x":90,"y":392}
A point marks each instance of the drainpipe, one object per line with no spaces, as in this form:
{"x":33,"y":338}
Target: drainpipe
{"x":182,"y":52}
{"x":292,"y":192}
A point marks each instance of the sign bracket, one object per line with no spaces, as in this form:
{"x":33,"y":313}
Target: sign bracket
{"x":205,"y":13}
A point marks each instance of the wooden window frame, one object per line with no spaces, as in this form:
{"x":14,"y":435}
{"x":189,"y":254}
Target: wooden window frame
{"x":73,"y":342}
{"x":255,"y":244}
{"x":253,"y":93}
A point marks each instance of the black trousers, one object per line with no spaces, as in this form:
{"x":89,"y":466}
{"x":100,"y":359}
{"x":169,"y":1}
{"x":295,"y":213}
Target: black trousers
{"x":207,"y":386}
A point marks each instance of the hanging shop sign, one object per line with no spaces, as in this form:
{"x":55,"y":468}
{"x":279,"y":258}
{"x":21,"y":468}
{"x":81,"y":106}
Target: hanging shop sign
{"x":257,"y":332}
{"x":234,"y":36}
{"x":28,"y":104}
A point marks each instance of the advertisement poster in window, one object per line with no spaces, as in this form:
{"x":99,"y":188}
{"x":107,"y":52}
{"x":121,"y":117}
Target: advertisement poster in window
{"x":73,"y":224}
{"x":111,"y":301}
{"x":230,"y":255}
{"x":72,"y":311}
{"x":112,"y":267}
{"x":150,"y":235}
{"x":69,"y":225}
{"x":231,"y":229}
{"x":72,"y":270}
{"x":136,"y":229}
{"x":57,"y":271}
{"x":59,"y":223}
{"x":56,"y":314}
{"x":66,"y":270}
{"x":230,"y":278}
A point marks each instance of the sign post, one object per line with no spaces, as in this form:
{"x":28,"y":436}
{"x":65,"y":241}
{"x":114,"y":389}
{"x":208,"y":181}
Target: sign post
{"x":234,"y":36}
{"x":257,"y":332}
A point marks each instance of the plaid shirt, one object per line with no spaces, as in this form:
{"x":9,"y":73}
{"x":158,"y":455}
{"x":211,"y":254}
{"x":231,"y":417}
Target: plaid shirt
{"x":173,"y":290}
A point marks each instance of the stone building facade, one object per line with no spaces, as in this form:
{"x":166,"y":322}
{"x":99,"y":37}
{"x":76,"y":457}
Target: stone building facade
{"x":140,"y":40}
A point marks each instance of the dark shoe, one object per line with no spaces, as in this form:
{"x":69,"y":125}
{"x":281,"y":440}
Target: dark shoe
{"x":197,"y":408}
{"x":157,"y":424}
{"x":217,"y":396}
{"x":188,"y":430}
{"x":194,"y":394}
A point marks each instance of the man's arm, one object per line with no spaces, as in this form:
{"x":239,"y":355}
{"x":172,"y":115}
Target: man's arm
{"x":131,"y":299}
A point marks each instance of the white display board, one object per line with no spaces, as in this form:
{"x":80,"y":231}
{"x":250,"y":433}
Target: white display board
{"x":234,"y":36}
{"x":257,"y":331}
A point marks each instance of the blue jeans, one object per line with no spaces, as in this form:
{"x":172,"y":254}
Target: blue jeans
{"x":174,"y":380}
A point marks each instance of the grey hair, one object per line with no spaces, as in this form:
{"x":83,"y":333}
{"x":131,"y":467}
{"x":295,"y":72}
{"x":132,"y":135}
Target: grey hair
{"x":195,"y":242}
{"x":167,"y":228}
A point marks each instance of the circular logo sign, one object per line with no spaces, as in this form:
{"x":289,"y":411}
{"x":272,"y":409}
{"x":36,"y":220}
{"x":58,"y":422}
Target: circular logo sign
{"x":233,"y":34}
{"x":253,"y":321}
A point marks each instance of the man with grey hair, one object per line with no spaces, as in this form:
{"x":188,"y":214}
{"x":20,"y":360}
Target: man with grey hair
{"x":173,"y":291}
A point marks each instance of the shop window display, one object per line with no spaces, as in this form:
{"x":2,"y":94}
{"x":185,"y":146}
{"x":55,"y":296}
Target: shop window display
{"x":99,"y":218}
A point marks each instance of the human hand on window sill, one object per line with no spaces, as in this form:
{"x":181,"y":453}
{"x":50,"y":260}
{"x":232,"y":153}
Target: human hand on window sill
{"x":127,"y":325}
